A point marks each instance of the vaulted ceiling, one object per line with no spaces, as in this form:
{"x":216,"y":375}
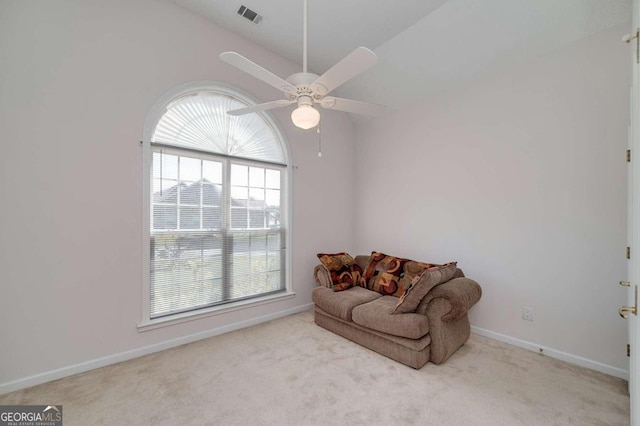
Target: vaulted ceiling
{"x":423,"y":46}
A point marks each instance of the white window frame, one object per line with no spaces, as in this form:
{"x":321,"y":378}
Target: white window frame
{"x":153,"y":117}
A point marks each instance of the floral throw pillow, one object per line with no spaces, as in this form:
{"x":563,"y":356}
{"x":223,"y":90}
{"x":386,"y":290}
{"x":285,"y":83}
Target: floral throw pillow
{"x":391,"y":275}
{"x":344,"y":271}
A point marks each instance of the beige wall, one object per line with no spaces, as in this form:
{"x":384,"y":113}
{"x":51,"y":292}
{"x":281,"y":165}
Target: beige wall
{"x":77,"y":79}
{"x":521,"y":178}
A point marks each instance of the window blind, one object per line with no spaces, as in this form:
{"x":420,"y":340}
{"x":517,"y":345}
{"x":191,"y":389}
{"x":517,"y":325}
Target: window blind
{"x":216,"y":227}
{"x":200,"y":122}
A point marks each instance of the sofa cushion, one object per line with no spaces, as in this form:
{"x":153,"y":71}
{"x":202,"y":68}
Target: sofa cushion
{"x":341,"y":304}
{"x":421,"y":285}
{"x":376,"y":316}
{"x":390,"y":275}
{"x":344,"y":271}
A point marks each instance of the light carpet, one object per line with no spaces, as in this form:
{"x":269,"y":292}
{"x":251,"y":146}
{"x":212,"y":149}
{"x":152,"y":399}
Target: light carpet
{"x":291,"y":372}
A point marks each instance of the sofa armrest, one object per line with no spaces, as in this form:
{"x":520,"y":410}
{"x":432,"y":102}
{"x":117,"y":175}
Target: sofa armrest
{"x":460,"y":294}
{"x":322,"y":276}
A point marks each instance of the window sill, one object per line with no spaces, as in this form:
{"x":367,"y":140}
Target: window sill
{"x":216,"y":310}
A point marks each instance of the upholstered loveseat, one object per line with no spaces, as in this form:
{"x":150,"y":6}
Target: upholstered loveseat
{"x":368,"y":307}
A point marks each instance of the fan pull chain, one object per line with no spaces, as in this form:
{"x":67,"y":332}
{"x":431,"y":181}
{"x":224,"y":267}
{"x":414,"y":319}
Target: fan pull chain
{"x":319,"y":142}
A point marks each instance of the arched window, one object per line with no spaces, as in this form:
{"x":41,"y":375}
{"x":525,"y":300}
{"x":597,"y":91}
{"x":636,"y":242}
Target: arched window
{"x":217,"y":191}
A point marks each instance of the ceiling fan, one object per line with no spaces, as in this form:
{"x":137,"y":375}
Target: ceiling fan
{"x":307,"y":89}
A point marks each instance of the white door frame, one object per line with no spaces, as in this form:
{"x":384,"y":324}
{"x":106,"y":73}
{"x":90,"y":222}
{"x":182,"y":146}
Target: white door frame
{"x":633,"y":177}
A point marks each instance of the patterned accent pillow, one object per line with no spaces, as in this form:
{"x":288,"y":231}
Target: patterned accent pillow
{"x":390,"y":275}
{"x":421,"y":285}
{"x":344,"y":271}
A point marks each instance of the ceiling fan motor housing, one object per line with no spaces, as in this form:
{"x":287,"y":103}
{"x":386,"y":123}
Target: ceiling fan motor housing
{"x":305,"y":86}
{"x":305,"y":100}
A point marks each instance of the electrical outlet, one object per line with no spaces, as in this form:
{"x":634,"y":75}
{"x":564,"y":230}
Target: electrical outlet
{"x":527,"y":313}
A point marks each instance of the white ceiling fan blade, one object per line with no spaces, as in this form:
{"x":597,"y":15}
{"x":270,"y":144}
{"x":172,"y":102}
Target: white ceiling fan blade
{"x":244,"y":64}
{"x":351,"y":65}
{"x":260,"y":107}
{"x":349,"y":105}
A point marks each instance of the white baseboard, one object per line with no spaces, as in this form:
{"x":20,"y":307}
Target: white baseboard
{"x":146,"y":350}
{"x":563,"y":356}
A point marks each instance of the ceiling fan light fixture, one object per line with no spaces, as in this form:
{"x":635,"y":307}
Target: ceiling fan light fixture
{"x":305,"y":117}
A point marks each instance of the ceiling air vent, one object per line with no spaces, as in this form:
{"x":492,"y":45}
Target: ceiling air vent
{"x":250,"y":15}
